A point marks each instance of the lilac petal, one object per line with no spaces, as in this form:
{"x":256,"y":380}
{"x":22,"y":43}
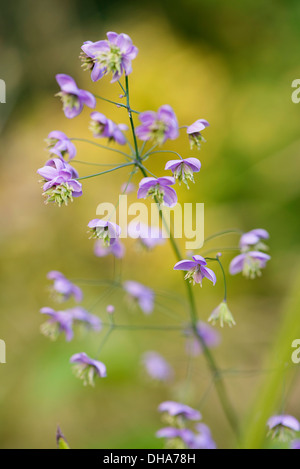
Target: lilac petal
{"x":97,"y":72}
{"x":132,"y":53}
{"x":199,"y":260}
{"x":97,"y":222}
{"x":99,"y":46}
{"x":67,"y":83}
{"x":112,"y":37}
{"x":173,"y":164}
{"x":119,"y":137}
{"x":166,"y":181}
{"x":261,"y":233}
{"x":71,"y":150}
{"x":197,"y":126}
{"x":114,"y":230}
{"x":47,"y":310}
{"x":97,"y":116}
{"x":170,"y":197}
{"x":260,"y":256}
{"x":249,"y":238}
{"x":76,"y":185}
{"x":87,"y":98}
{"x":147,"y":182}
{"x":175,"y":408}
{"x":47,"y":172}
{"x":124,"y":42}
{"x":71,"y":112}
{"x":209,"y":274}
{"x":55,"y":275}
{"x":77,"y":292}
{"x":237,"y":264}
{"x":57,"y":135}
{"x":147,"y":117}
{"x":184,"y":265}
{"x":286,"y":420}
{"x":193,"y":163}
{"x":126,"y":62}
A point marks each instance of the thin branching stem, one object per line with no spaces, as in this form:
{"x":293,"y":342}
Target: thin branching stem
{"x":219,"y":384}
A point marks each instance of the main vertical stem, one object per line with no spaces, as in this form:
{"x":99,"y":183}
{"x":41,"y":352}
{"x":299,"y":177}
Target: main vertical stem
{"x":219,"y":384}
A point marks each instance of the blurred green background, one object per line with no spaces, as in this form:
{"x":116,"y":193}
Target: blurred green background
{"x":229,"y":62}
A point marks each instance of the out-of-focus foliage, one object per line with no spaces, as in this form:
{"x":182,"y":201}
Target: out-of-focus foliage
{"x":229,"y":62}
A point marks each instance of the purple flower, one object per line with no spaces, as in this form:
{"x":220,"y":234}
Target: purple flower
{"x":196,"y":270}
{"x":178,"y":438}
{"x":295,"y":444}
{"x":117,"y":249}
{"x":81,"y":315}
{"x":127,"y":188}
{"x":252,"y":239}
{"x":158,"y":126}
{"x":194,"y":133}
{"x":223,"y":314}
{"x":101,"y":126}
{"x":87,"y":369}
{"x":59,"y":144}
{"x":184,"y":170}
{"x":175,"y":409}
{"x":209,"y":335}
{"x":60,"y":183}
{"x":110,"y":309}
{"x":202,"y":439}
{"x":63,"y":287}
{"x":144,"y":296}
{"x":287,"y":421}
{"x":58,"y":322}
{"x":158,"y":188}
{"x":105,"y":230}
{"x":113,"y":55}
{"x":283,"y":427}
{"x":72,"y":97}
{"x":149,"y":236}
{"x":157,"y":367}
{"x":250,"y":263}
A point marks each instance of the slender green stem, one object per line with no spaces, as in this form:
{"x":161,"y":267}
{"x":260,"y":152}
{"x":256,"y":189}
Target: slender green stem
{"x":130,"y":327}
{"x":93,"y":164}
{"x":117,"y":104}
{"x":148,"y":153}
{"x":217,"y":259}
{"x":105,"y":172}
{"x":122,"y":87}
{"x":221,"y":233}
{"x":227,"y":248}
{"x":101,"y":146}
{"x":138,"y":158}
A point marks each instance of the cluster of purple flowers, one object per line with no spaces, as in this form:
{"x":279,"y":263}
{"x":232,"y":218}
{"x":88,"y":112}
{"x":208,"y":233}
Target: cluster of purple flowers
{"x":113,"y":56}
{"x":59,"y":322}
{"x":177,"y":434}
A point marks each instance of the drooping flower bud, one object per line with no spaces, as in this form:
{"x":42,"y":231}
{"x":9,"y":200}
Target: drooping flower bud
{"x":223,"y":315}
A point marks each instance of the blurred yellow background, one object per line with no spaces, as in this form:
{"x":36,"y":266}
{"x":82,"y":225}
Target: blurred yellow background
{"x":232,"y":64}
